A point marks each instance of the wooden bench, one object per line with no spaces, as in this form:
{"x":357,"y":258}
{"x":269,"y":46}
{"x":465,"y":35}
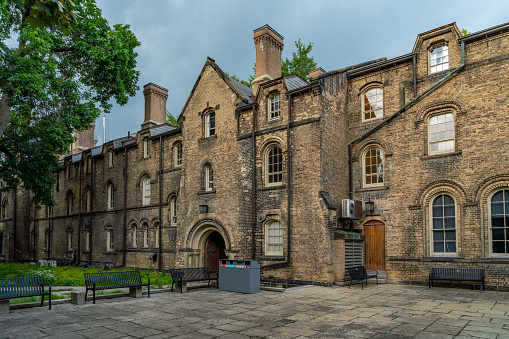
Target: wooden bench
{"x":111,"y":280}
{"x":183,"y":275}
{"x":457,"y":274}
{"x":21,"y":287}
{"x":359,"y":273}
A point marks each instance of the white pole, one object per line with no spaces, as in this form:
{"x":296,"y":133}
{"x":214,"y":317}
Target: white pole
{"x":104,"y":130}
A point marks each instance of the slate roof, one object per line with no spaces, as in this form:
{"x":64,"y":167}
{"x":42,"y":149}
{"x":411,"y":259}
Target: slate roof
{"x":246,"y":91}
{"x":76,"y":157}
{"x":294,"y":82}
{"x":97,"y":151}
{"x":161,"y":129}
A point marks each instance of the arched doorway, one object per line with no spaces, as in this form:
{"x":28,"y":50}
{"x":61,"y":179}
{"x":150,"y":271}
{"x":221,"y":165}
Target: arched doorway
{"x":374,"y":245}
{"x":214,"y":250}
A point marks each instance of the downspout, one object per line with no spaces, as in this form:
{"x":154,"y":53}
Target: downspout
{"x":79,"y":215}
{"x":50,"y":224}
{"x":124,"y":235}
{"x":27,"y":222}
{"x":160,"y":202}
{"x":91,"y":209}
{"x":390,"y":118}
{"x":15,"y":223}
{"x":253,"y":189}
{"x":414,"y":61}
{"x":289,"y":182}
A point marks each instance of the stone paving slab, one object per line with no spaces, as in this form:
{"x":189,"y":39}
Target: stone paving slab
{"x":383,"y":311}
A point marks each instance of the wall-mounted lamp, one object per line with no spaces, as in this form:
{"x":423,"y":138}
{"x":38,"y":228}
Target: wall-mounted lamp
{"x":370,"y":205}
{"x":203,"y":209}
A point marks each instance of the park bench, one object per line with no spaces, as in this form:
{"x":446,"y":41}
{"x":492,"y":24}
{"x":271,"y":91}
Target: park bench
{"x":112,"y":280}
{"x":359,"y":273}
{"x":21,"y":287}
{"x":183,"y":275}
{"x":457,"y":274}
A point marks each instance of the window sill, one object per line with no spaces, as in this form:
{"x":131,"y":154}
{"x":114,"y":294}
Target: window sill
{"x":207,"y":192}
{"x":269,"y":188}
{"x":440,"y":155}
{"x":274,"y":120}
{"x":269,"y":257}
{"x":369,"y":189}
{"x":212,"y":137}
{"x":174,"y":169}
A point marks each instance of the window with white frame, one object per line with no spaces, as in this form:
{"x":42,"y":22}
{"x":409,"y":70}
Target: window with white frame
{"x":146,"y":148}
{"x":274,"y":105}
{"x":373,"y":167}
{"x":146,"y":234}
{"x":173,"y":211}
{"x":70,"y":203}
{"x":109,"y":240}
{"x":372,"y":103}
{"x":210,"y":124}
{"x":441,"y":133}
{"x":274,"y":238}
{"x":146,"y":190}
{"x":208,"y":174}
{"x":134,"y":229}
{"x":439,"y":59}
{"x":274,"y":165}
{"x":87,"y":241}
{"x":110,"y":191}
{"x":177,"y":155}
{"x":443,"y":221}
{"x":110,"y":159}
{"x":156,"y":235}
{"x":499,"y":222}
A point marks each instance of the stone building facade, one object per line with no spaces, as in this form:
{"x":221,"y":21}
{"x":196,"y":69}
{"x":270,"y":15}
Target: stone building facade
{"x":262,"y":173}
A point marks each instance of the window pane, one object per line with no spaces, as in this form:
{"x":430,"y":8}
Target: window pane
{"x":449,"y":211}
{"x":439,"y":247}
{"x":450,"y":235}
{"x":450,"y":247}
{"x":497,"y":221}
{"x":498,"y":234}
{"x":438,"y":235}
{"x":437,"y":211}
{"x":499,"y":196}
{"x":497,"y":208}
{"x":438,"y":223}
{"x":499,"y":247}
{"x":449,"y":223}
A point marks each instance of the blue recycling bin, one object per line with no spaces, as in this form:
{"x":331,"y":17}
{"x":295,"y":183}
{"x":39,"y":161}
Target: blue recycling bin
{"x":239,"y":276}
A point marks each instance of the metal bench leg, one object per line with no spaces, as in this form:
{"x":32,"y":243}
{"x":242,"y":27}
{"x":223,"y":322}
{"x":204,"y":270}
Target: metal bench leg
{"x":43,"y":294}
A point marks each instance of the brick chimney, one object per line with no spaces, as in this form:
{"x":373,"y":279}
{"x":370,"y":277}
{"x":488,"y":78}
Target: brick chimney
{"x":84,"y":140}
{"x":269,"y":45}
{"x":155,"y":105}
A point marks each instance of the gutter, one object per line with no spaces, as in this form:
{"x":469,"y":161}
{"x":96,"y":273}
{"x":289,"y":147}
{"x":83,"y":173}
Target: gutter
{"x":390,"y":118}
{"x":160,"y":261}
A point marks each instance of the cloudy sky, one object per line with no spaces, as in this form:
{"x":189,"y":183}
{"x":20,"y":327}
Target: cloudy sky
{"x":177,"y":36}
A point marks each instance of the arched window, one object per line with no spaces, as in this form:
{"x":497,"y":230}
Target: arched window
{"x":146,"y":149}
{"x":441,"y":133}
{"x":208,"y":176}
{"x":499,"y":220}
{"x":274,"y":238}
{"x":177,"y":155}
{"x":134,"y":229}
{"x":109,"y":239}
{"x":70,"y":203}
{"x":88,"y":200}
{"x":274,"y":166}
{"x":443,"y":221}
{"x":439,"y":59}
{"x":145,"y":235}
{"x":210,"y":124}
{"x":146,"y":190}
{"x":156,"y":235}
{"x":373,"y":167}
{"x":111,"y":196}
{"x":372,"y":103}
{"x":4,"y":208}
{"x":274,"y":105}
{"x":173,"y":211}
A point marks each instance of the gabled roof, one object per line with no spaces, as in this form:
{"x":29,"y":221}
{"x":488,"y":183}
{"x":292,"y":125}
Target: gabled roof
{"x":434,"y":32}
{"x":96,"y":151}
{"x":294,"y":82}
{"x":162,"y":129}
{"x":242,"y":91}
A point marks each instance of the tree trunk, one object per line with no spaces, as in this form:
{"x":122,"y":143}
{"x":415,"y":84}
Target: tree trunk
{"x":5,"y":114}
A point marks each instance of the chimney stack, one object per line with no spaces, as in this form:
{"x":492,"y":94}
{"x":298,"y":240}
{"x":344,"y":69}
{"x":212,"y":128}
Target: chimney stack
{"x":269,"y":45}
{"x":315,"y":73}
{"x":155,"y":105}
{"x":84,"y":140}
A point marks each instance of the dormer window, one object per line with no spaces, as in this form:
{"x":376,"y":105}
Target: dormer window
{"x":210,"y":124}
{"x":439,"y":59}
{"x":372,"y":103}
{"x":274,"y":106}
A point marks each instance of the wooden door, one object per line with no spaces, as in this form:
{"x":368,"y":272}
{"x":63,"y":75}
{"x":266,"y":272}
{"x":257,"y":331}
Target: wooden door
{"x":214,"y":250}
{"x":374,"y":245}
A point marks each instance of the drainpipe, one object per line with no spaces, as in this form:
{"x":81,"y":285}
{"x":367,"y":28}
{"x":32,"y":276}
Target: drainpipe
{"x":78,"y":259}
{"x":124,"y":235}
{"x":15,"y":223}
{"x":160,"y":201}
{"x":289,"y":182}
{"x":413,"y":101}
{"x":414,"y":61}
{"x":50,"y":223}
{"x":253,"y":189}
{"x":91,"y":208}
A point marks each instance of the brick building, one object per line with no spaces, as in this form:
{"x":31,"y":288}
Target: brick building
{"x":262,"y":173}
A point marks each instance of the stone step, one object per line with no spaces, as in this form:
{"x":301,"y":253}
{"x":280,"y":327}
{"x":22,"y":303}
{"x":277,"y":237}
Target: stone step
{"x":382,"y":277}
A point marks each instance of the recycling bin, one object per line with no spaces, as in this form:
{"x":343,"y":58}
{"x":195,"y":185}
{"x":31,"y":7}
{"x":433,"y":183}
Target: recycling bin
{"x":239,"y":276}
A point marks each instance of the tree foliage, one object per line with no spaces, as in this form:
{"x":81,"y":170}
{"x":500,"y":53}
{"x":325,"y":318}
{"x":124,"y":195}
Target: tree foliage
{"x":301,"y":64}
{"x":171,"y":120}
{"x":464,"y":32}
{"x":56,"y":81}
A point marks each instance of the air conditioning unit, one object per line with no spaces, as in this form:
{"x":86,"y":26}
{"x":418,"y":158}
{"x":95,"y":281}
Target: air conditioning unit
{"x":352,"y":209}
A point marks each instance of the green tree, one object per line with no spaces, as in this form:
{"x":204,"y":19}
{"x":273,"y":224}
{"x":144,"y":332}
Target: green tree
{"x":301,"y":64}
{"x":56,"y":81}
{"x":170,"y":119}
{"x":464,"y":32}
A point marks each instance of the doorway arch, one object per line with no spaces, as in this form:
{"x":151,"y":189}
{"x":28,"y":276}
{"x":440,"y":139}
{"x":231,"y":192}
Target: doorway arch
{"x":207,"y":242}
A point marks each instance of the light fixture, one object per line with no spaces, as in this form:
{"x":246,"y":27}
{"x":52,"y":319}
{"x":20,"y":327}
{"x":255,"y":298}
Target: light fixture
{"x":203,"y":209}
{"x":370,"y":205}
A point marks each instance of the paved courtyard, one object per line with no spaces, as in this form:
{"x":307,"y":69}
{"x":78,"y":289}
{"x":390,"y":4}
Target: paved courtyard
{"x":384,"y":311}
